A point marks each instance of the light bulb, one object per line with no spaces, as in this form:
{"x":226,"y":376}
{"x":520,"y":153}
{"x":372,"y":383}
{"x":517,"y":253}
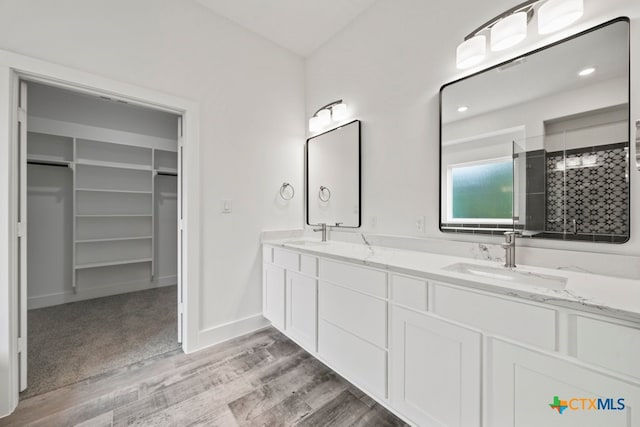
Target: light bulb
{"x":339,"y":112}
{"x":586,"y":71}
{"x":555,"y":15}
{"x":471,"y":52}
{"x":314,"y":124}
{"x":509,"y":31}
{"x":324,"y":117}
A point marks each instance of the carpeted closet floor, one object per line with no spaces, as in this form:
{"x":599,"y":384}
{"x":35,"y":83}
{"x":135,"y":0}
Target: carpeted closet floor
{"x":75,"y":341}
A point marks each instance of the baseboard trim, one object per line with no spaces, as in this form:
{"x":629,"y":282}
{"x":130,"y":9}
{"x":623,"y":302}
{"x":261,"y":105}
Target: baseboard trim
{"x":220,"y":333}
{"x":41,"y":301}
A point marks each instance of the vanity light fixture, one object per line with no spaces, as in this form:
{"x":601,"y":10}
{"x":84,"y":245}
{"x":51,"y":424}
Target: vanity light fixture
{"x":555,"y":15}
{"x":586,"y":71}
{"x":471,"y":52}
{"x":335,"y":111}
{"x":510,"y":27}
{"x":509,"y":31}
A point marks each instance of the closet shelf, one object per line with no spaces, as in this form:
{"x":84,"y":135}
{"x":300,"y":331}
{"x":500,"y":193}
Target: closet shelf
{"x":114,"y":165}
{"x":103,"y":190}
{"x":109,"y":263}
{"x":166,"y":170}
{"x":47,"y":159}
{"x":111,"y":215}
{"x":114,"y":239}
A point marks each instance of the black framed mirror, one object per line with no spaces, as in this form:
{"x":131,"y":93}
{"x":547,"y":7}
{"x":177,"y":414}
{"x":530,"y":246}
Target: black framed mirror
{"x":540,"y":143}
{"x":333,"y":177}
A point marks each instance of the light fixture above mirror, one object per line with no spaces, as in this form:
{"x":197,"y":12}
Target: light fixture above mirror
{"x":335,"y":111}
{"x":510,"y":27}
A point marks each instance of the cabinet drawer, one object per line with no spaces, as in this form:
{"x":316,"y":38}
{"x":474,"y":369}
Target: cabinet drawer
{"x":359,"y":314}
{"x":286,"y":259}
{"x":361,"y":279}
{"x":267,"y":254}
{"x":354,"y":358}
{"x":610,"y":345}
{"x":409,"y":291}
{"x":520,"y":321}
{"x":309,"y":265}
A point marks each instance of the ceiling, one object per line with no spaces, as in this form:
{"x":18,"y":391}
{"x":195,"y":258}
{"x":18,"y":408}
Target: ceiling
{"x":300,"y":26}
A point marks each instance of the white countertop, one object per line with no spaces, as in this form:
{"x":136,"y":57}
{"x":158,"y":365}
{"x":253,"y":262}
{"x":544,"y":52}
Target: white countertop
{"x":609,"y":296}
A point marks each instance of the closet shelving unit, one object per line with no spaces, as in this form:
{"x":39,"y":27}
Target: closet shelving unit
{"x":113,"y":197}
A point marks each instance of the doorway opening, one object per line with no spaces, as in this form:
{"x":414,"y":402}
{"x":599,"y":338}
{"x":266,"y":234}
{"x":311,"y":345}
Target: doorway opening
{"x":100,"y":196}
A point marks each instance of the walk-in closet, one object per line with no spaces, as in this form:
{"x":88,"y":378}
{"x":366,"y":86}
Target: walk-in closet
{"x":102,"y":218}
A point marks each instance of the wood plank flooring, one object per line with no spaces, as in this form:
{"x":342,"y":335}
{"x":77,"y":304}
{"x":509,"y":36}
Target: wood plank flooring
{"x":260,"y":379}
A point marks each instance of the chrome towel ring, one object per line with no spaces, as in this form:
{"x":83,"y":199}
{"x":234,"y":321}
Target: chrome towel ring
{"x":324,"y":194}
{"x":287,"y":195}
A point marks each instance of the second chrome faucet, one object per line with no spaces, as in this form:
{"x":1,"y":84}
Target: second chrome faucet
{"x":509,"y":246}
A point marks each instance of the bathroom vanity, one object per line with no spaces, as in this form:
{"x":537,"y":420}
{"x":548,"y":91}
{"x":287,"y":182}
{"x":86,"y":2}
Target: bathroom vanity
{"x":449,"y":341}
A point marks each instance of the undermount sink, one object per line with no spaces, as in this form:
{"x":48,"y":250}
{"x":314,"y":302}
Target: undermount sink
{"x":511,"y":276}
{"x":305,"y":243}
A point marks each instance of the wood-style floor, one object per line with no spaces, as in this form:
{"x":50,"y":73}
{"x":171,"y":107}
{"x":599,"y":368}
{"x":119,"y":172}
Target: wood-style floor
{"x":261,"y":379}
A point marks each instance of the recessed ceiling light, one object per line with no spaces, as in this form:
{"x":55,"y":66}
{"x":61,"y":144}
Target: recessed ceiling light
{"x":586,"y":71}
{"x":462,"y":109}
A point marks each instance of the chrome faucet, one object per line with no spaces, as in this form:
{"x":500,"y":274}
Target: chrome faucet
{"x":509,"y":246}
{"x":323,"y":228}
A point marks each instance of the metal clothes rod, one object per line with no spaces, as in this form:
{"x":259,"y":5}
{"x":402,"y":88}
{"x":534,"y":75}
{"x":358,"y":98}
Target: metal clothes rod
{"x":42,"y":163}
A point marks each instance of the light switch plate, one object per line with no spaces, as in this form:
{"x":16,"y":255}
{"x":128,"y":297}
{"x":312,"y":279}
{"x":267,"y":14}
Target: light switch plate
{"x":227,"y":206}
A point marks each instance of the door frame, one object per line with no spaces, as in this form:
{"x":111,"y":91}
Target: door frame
{"x":15,"y":67}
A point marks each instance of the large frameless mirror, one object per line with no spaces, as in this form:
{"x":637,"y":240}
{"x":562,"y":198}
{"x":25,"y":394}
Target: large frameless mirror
{"x":540,"y":144}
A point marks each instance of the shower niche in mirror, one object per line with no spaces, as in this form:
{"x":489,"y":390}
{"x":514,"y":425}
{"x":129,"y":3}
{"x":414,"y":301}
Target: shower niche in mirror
{"x":333,"y":177}
{"x":540,"y":144}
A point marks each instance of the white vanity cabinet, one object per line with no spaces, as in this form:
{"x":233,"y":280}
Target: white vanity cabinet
{"x":435,"y":370}
{"x":440,"y":354}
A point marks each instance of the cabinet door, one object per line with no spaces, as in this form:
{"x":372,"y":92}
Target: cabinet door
{"x":273,"y":290}
{"x":526,"y":387}
{"x":435,"y":370}
{"x":301,"y":309}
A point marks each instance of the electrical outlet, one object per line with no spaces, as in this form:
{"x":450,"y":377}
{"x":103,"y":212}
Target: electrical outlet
{"x":420,"y":224}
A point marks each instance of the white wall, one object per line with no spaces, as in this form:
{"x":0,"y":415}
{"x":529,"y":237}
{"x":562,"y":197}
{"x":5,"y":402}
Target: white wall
{"x":250,"y":95}
{"x":389,"y":66}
